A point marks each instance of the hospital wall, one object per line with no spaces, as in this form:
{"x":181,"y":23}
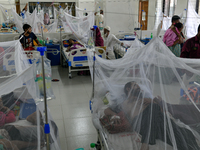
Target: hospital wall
{"x":89,"y":5}
{"x":120,"y":15}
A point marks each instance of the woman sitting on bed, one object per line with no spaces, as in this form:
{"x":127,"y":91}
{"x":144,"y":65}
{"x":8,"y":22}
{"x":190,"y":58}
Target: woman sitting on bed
{"x":147,"y":118}
{"x":73,"y":45}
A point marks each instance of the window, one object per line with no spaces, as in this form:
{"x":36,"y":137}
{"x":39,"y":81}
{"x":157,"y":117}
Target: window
{"x":159,"y":10}
{"x":169,"y":7}
{"x":46,"y":6}
{"x":197,"y":8}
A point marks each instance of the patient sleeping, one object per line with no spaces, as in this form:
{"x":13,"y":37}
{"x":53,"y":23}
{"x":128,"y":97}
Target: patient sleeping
{"x":148,"y":117}
{"x":73,"y":45}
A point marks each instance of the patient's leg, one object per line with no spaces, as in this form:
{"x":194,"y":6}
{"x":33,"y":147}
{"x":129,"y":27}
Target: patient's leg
{"x":22,"y":144}
{"x":8,"y":144}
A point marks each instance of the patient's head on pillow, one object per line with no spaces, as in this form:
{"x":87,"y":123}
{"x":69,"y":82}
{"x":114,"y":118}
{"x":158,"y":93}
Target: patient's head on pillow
{"x":33,"y":118}
{"x":132,"y":89}
{"x":71,"y":42}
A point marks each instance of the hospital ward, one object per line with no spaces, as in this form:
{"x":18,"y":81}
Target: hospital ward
{"x":99,"y":75}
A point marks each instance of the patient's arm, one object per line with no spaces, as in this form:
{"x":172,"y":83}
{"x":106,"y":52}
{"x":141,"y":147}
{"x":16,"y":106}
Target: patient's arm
{"x":8,"y":144}
{"x":22,"y":144}
{"x":68,"y":49}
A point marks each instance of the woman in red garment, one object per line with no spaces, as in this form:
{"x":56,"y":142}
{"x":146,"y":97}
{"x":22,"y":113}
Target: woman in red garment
{"x":99,"y":40}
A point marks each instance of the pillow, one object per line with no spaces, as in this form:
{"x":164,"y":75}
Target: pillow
{"x":66,"y":43}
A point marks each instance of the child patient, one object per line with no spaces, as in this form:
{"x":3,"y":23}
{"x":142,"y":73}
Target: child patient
{"x":73,"y":45}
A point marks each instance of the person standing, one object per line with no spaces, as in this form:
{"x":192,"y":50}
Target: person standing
{"x":172,"y":40}
{"x":99,"y":19}
{"x":109,"y":41}
{"x":191,"y":48}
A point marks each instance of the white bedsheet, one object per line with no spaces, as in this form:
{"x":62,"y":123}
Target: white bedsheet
{"x":66,"y":53}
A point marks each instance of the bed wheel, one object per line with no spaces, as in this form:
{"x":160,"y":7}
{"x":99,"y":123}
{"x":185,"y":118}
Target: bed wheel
{"x":98,"y":146}
{"x":70,"y":75}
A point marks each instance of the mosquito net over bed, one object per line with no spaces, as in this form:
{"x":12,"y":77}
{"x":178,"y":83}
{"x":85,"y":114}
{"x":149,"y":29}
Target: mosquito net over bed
{"x":21,"y":114}
{"x":35,"y":20}
{"x":79,"y":26}
{"x":7,"y":14}
{"x":148,"y":100}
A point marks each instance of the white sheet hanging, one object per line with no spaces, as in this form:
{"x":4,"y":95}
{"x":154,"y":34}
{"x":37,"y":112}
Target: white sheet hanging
{"x":7,"y":13}
{"x":192,"y":22}
{"x":35,"y":20}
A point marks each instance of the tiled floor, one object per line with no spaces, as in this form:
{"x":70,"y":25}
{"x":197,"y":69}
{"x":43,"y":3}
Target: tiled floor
{"x":70,"y":109}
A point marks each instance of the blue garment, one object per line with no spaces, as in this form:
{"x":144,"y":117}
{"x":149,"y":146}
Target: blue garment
{"x":27,"y":40}
{"x":14,"y":28}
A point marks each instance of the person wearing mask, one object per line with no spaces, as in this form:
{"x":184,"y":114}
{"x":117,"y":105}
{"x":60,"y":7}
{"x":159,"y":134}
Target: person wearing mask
{"x":109,"y":41}
{"x":191,"y":48}
{"x":99,"y":19}
{"x":172,"y":40}
{"x":176,"y":19}
{"x":28,"y":37}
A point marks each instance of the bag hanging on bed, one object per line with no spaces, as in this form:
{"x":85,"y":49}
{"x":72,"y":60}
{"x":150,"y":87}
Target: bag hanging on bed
{"x":39,"y":79}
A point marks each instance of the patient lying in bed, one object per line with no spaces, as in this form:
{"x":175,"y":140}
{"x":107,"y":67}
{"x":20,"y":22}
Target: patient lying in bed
{"x":73,"y":45}
{"x":147,"y":117}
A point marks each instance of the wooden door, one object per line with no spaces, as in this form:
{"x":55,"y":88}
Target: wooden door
{"x":17,"y":4}
{"x":143,"y":14}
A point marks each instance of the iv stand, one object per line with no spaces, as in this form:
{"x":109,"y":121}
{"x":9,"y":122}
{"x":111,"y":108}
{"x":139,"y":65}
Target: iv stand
{"x":46,"y":127}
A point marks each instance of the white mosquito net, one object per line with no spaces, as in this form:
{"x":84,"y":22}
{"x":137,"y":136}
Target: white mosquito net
{"x":166,"y":23}
{"x":159,"y":18}
{"x":136,"y":45}
{"x":36,"y":21}
{"x":81,"y":12}
{"x":80,"y":27}
{"x":22,"y":116}
{"x":7,"y":14}
{"x":147,"y":100}
{"x":192,"y":22}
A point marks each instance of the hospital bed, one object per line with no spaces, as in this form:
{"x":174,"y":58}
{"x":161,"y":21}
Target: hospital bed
{"x":77,"y":59}
{"x":123,"y":140}
{"x":119,"y":141}
{"x":27,"y":127}
{"x":127,"y":39}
